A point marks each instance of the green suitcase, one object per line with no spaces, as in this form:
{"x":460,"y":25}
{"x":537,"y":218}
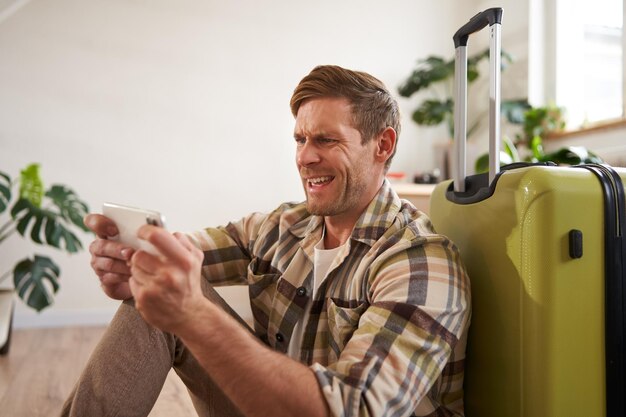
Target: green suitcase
{"x":544,"y":250}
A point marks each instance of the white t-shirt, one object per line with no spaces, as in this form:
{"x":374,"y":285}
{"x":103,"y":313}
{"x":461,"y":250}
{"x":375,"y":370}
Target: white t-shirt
{"x":322,"y":260}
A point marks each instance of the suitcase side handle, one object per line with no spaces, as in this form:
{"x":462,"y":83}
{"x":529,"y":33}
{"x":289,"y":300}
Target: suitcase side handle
{"x":493,"y":18}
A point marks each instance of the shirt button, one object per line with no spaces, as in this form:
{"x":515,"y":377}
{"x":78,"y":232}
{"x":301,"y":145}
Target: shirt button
{"x":279,"y":337}
{"x":301,"y":292}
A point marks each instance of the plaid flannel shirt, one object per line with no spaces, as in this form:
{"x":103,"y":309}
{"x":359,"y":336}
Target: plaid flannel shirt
{"x":387,"y":330}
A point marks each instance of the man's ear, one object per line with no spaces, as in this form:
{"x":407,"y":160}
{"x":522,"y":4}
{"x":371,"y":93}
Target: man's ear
{"x":386,"y":144}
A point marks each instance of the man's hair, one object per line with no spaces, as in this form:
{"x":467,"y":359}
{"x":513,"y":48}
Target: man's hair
{"x":373,"y":107}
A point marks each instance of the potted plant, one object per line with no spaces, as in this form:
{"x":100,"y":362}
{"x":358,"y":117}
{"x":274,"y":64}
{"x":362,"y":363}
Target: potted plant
{"x":537,"y":124}
{"x":436,"y":75}
{"x":46,"y":217}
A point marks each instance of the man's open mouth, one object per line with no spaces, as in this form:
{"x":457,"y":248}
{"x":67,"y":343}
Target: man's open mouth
{"x":318,"y":181}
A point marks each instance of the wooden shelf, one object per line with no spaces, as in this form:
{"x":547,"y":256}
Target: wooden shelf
{"x":418,"y":194}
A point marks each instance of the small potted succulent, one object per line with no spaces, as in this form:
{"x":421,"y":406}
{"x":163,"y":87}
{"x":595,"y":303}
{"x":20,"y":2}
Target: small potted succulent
{"x":537,"y":124}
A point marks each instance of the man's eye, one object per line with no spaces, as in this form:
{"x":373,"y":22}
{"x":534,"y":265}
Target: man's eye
{"x":300,"y":141}
{"x":326,"y":140}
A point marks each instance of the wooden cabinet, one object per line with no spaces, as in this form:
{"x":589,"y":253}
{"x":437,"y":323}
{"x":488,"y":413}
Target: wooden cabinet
{"x":418,"y":194}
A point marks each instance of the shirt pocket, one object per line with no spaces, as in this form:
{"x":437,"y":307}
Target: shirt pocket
{"x":262,"y":289}
{"x":342,"y":322}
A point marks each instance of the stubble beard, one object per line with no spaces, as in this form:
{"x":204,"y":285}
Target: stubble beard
{"x":348,"y":198}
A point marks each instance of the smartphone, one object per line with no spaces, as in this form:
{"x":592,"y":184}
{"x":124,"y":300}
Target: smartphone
{"x":128,"y":221}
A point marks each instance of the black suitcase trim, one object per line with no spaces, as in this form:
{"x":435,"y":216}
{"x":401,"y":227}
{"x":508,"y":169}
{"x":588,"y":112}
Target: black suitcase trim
{"x":477,"y":187}
{"x":615,"y":290}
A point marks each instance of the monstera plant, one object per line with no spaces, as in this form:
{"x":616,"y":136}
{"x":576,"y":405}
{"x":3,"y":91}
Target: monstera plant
{"x":434,"y":75}
{"x":46,"y":217}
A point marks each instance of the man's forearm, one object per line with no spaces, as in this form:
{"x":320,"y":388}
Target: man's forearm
{"x":259,"y":381}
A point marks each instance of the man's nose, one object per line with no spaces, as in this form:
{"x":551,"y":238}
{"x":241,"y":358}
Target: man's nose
{"x":307,"y":154}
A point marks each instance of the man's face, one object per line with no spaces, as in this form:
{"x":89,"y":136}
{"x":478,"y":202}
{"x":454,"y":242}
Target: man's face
{"x":335,"y":167}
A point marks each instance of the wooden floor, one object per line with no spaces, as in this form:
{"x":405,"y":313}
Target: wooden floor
{"x":43,"y":364}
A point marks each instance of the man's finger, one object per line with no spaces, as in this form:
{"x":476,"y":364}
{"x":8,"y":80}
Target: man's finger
{"x":110,"y":279}
{"x":102,"y":226}
{"x":165,"y":243}
{"x":146,"y":262}
{"x":109,"y":265}
{"x":110,"y":249}
{"x":134,"y":288}
{"x":188,"y":244}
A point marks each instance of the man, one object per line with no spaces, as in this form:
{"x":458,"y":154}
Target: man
{"x":359,"y":307}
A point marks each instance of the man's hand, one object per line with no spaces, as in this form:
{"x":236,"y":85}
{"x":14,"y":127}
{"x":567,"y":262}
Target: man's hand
{"x":168,"y":295}
{"x":108,"y":258}
{"x":167,"y":287}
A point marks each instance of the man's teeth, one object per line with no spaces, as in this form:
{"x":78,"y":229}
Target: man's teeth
{"x":320,"y":180}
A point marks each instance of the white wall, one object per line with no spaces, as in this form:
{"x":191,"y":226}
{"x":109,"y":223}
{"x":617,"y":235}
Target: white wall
{"x":183,"y":106}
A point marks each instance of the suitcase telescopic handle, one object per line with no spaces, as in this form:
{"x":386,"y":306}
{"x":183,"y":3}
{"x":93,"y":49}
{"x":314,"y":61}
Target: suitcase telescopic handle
{"x":493,"y":18}
{"x":476,"y":23}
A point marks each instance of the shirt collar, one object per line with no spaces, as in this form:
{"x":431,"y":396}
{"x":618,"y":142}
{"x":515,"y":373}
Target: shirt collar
{"x":373,"y":222}
{"x":378,"y":216}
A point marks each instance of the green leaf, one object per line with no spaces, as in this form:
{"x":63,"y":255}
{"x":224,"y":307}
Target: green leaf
{"x":482,"y":163}
{"x":61,"y":234}
{"x":541,"y":121}
{"x":428,"y":71}
{"x":510,"y":149}
{"x":44,"y":221}
{"x":433,"y":112}
{"x":22,"y":223}
{"x":5,"y":191}
{"x":472,"y":65}
{"x":572,"y":155}
{"x":514,"y":110}
{"x":29,"y":277}
{"x":34,"y":233}
{"x":434,"y":69}
{"x":536,"y":147}
{"x":70,"y":206}
{"x":31,"y":186}
{"x":474,"y":61}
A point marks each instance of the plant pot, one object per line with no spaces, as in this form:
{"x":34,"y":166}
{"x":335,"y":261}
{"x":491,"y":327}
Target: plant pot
{"x":7,"y":306}
{"x":444,"y":158}
{"x":442,"y":155}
